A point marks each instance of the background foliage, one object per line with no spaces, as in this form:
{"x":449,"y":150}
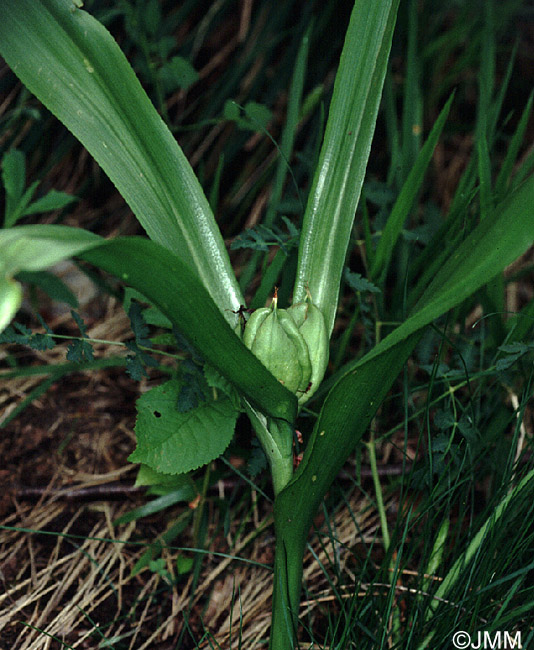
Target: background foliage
{"x":457,"y":427}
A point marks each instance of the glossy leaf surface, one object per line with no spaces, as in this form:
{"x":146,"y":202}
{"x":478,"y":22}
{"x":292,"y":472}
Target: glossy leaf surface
{"x":339,"y":175}
{"x":74,"y":66}
{"x":170,"y":285}
{"x":353,"y":401}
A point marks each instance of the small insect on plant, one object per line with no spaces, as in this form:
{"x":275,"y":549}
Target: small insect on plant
{"x":241,"y":313}
{"x":272,"y":359}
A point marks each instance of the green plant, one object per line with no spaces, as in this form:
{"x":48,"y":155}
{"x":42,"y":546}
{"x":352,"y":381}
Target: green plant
{"x":77,"y":70}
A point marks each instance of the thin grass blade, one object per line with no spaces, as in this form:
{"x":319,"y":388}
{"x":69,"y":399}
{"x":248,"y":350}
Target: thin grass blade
{"x":404,"y":202}
{"x":353,"y":401}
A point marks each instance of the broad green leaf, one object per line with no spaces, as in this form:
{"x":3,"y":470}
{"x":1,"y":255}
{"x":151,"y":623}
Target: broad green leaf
{"x":169,"y":284}
{"x":338,"y":179}
{"x":10,"y":300}
{"x":164,"y":279}
{"x":343,"y":420}
{"x":51,"y":285}
{"x":494,"y":244}
{"x":353,"y":401}
{"x":33,"y":248}
{"x":73,"y":65}
{"x":175,"y":443}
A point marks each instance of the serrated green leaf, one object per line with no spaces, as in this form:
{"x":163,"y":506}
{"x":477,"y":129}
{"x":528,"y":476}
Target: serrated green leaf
{"x":444,"y":419}
{"x":138,"y":324}
{"x":177,"y":73}
{"x":174,"y":443}
{"x":54,"y":200}
{"x":79,"y":322}
{"x":193,"y":391}
{"x":359,"y":283}
{"x":507,"y":362}
{"x":136,"y":362}
{"x":215,"y":380}
{"x":257,"y":461}
{"x":80,"y":352}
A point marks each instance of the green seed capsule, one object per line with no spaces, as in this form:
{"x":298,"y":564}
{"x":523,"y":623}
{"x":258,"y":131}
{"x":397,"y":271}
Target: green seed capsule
{"x":274,"y":338}
{"x":310,"y":323}
{"x":301,"y":346}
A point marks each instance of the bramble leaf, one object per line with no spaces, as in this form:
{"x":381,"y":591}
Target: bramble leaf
{"x":174,"y":443}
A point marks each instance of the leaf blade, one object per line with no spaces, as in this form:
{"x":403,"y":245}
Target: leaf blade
{"x":339,"y":175}
{"x":407,"y":195}
{"x":73,"y":65}
{"x":175,"y":443}
{"x":349,"y":407}
{"x":169,"y":284}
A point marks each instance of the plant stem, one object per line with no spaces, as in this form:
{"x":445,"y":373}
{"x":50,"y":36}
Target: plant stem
{"x":276,"y":439}
{"x":287,"y":583}
{"x":378,"y":491}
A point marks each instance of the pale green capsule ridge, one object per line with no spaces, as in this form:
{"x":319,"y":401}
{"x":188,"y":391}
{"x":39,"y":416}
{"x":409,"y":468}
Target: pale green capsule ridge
{"x":311,"y":325}
{"x":301,"y":346}
{"x":253,"y":324}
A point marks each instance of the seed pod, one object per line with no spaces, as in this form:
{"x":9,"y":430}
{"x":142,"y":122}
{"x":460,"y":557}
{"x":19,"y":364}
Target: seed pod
{"x":274,"y":338}
{"x":253,"y":324}
{"x":310,"y":323}
{"x":299,"y":342}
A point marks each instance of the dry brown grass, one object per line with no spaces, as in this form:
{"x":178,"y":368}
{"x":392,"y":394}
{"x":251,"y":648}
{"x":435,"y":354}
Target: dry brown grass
{"x":74,"y":586}
{"x":69,"y":587}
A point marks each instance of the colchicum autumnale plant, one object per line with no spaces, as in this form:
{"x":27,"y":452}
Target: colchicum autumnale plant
{"x":275,"y":364}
